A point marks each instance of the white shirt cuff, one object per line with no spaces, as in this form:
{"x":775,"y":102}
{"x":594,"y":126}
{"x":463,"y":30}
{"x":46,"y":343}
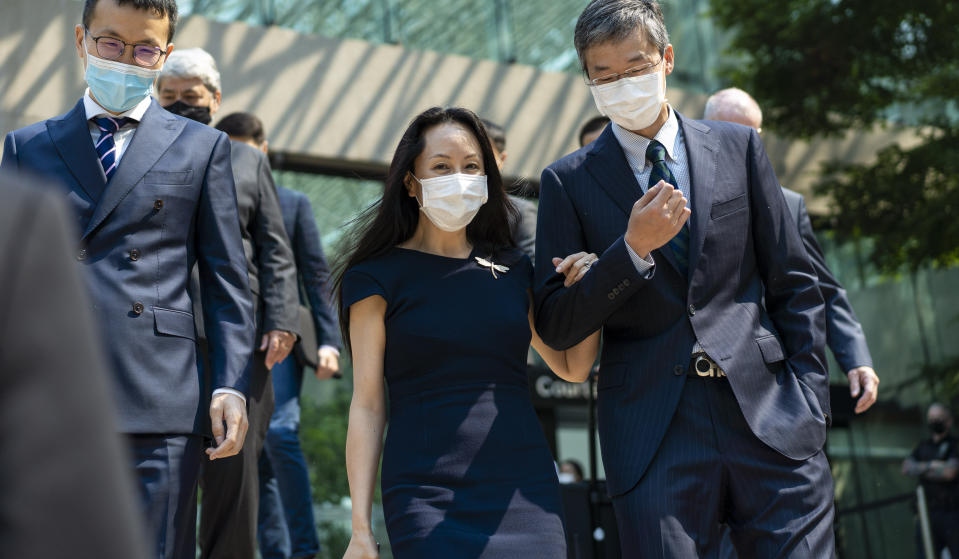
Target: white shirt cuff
{"x":230,"y":391}
{"x":331,"y":348}
{"x":643,"y":265}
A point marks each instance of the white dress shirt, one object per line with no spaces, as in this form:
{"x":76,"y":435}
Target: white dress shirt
{"x":122,"y":139}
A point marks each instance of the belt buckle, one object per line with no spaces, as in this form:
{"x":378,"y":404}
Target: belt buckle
{"x":706,"y":367}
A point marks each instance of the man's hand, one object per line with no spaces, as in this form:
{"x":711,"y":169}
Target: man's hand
{"x":277,"y":345}
{"x":228,"y":410}
{"x":328,"y":363}
{"x":656,"y":218}
{"x":865,"y":380}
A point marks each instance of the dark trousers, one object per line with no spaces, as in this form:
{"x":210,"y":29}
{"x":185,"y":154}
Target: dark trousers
{"x":230,"y":486}
{"x":944,"y":525}
{"x":287,"y":528}
{"x":167,"y":468}
{"x":710,"y":470}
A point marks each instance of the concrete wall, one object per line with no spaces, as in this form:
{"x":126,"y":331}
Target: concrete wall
{"x":343,"y":104}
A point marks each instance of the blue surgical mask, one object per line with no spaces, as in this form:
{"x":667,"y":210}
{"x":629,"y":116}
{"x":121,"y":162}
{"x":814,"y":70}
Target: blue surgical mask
{"x":116,"y":86}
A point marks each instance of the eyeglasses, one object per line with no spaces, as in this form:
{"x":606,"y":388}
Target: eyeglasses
{"x":631,"y":73}
{"x":110,"y":48}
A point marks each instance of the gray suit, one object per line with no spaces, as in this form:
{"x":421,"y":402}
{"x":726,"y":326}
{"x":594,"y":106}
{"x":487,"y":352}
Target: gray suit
{"x":523,"y":228}
{"x":230,"y":487}
{"x":65,"y":490}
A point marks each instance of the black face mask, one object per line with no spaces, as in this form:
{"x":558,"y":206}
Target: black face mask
{"x":199,"y":114}
{"x":938,"y":427}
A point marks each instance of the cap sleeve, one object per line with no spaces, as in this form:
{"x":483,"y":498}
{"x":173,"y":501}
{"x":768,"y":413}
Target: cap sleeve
{"x":358,"y":285}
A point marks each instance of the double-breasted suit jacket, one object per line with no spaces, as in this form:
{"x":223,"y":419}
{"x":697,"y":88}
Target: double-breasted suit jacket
{"x":170,"y":204}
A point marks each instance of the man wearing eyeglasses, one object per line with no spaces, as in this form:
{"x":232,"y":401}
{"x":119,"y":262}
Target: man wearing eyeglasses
{"x":153,"y":195}
{"x":713,"y":398}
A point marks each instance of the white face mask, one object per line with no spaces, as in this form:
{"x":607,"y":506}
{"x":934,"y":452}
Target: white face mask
{"x":452,"y":201}
{"x":633,"y":103}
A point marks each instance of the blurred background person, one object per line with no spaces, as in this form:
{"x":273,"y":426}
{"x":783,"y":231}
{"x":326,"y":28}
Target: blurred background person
{"x":189,"y":85}
{"x":844,"y":333}
{"x":935,"y":461}
{"x":286,"y":527}
{"x":591,"y":129}
{"x":148,"y":187}
{"x":570,"y":471}
{"x":523,"y":226}
{"x":64,"y":489}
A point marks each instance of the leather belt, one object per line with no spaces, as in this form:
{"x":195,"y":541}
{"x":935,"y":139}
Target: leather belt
{"x":701,"y":366}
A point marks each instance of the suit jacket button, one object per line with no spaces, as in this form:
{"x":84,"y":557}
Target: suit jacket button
{"x":678,"y":370}
{"x":137,"y":308}
{"x":626,"y":282}
{"x":82,"y":254}
{"x":692,"y":310}
{"x":134,"y":255}
{"x":610,"y":296}
{"x":158,"y":205}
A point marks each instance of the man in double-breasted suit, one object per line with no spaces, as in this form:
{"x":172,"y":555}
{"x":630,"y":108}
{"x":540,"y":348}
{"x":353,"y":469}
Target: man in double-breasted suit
{"x":153,"y":195}
{"x":713,"y":394}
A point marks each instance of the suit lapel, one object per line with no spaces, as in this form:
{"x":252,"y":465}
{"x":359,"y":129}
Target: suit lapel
{"x":71,"y":136}
{"x":607,"y":163}
{"x":702,"y":151}
{"x":153,"y":136}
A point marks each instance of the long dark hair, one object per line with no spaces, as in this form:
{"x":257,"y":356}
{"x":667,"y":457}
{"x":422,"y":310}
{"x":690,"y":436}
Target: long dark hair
{"x":393,"y":219}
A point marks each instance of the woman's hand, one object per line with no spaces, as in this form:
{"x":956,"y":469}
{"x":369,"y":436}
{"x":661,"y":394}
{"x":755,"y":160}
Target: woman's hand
{"x":362,"y":546}
{"x":574,"y":266}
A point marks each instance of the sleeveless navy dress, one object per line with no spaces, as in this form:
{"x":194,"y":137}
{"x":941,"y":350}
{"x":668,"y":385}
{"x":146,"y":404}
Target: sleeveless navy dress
{"x":466,"y":469}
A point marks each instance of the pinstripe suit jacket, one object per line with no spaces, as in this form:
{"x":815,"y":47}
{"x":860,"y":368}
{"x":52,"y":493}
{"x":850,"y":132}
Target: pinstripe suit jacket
{"x":744,"y":245}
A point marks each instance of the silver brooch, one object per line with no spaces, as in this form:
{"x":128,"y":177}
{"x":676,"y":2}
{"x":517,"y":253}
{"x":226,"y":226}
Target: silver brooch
{"x":493,"y":268}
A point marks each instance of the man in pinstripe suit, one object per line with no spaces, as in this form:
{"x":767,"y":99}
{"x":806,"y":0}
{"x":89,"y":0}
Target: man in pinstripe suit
{"x":713,"y":395}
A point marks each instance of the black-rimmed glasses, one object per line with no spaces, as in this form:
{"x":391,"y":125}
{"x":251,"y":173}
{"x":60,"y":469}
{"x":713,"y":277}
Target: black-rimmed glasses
{"x":111,"y":48}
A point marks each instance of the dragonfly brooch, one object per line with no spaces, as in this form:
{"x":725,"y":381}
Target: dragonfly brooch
{"x":493,"y":268}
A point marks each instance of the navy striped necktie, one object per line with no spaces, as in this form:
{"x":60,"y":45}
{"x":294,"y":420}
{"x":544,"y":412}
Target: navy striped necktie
{"x":106,"y":145}
{"x":656,"y":154}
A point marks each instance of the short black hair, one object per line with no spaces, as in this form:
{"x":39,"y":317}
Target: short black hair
{"x":496,"y":134}
{"x":162,"y":7}
{"x":592,"y":125}
{"x":242,"y":125}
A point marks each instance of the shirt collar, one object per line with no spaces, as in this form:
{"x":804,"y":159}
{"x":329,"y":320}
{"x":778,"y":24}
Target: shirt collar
{"x":635,"y":145}
{"x":94,"y":110}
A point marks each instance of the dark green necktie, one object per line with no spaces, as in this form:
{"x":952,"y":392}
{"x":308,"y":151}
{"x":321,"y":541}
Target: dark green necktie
{"x":656,"y":154}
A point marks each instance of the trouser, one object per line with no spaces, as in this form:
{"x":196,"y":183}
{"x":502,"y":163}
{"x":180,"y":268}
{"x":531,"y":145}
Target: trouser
{"x":711,"y":469}
{"x":167,"y":467}
{"x":944,"y":525}
{"x":230,"y":486}
{"x":286,"y":524}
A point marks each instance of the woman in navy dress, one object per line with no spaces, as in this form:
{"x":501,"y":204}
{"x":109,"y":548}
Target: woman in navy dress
{"x":436,"y":300}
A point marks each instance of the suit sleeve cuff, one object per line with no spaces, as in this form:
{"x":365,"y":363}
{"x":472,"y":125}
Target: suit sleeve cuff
{"x":644,"y":266}
{"x":230,"y":391}
{"x":334,"y":349}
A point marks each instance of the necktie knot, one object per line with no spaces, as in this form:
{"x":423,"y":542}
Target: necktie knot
{"x":109,"y":124}
{"x":656,"y":152}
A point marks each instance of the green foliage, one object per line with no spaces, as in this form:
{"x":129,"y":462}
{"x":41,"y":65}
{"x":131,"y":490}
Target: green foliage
{"x":334,"y":540}
{"x":323,"y":439}
{"x":824,"y":67}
